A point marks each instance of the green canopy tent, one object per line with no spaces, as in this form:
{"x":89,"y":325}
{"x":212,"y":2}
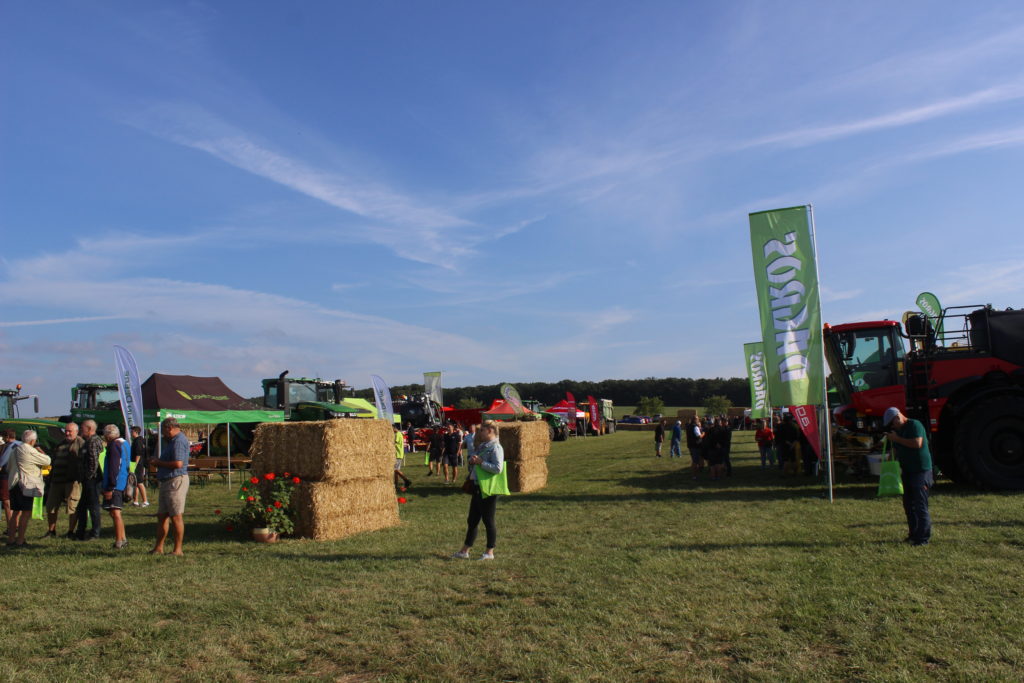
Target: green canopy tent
{"x":200,"y":400}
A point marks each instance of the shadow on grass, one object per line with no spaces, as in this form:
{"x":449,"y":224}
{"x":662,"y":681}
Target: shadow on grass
{"x":808,"y":545}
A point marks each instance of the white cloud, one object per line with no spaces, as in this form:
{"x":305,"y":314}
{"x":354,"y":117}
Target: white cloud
{"x":58,"y":321}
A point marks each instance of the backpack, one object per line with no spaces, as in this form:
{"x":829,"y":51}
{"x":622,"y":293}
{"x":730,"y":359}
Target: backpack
{"x":129,"y":488}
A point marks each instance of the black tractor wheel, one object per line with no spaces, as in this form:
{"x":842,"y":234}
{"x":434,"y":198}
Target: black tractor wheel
{"x":990,"y":443}
{"x":562,"y":434}
{"x":551,"y":433}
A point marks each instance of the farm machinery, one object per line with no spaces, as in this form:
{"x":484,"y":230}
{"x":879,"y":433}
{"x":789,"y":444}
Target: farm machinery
{"x":962,"y":377}
{"x":50,"y":433}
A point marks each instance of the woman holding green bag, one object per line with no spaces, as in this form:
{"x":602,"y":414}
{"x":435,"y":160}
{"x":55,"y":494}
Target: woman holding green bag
{"x":489,"y":479}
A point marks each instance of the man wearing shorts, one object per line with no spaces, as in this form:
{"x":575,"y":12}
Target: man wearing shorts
{"x":172,"y":473}
{"x":452,"y":453}
{"x":65,"y":487}
{"x":115,"y":479}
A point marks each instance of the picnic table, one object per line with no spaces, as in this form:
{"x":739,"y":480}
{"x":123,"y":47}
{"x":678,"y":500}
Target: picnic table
{"x":200,"y":469}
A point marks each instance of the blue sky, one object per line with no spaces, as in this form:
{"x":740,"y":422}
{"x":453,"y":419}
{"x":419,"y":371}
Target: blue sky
{"x":503,"y":191}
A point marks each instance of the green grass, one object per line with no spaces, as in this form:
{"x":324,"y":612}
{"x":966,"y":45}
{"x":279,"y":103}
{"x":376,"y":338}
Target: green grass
{"x":622,"y":569}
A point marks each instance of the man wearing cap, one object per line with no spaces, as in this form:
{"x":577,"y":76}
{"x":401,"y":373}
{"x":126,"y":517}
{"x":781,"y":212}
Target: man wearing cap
{"x":910,"y":443}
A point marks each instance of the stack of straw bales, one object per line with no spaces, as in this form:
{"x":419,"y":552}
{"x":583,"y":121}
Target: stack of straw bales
{"x":526,"y":446}
{"x":346,"y":467}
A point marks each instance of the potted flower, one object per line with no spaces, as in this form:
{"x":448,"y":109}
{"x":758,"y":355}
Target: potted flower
{"x":266,"y":506}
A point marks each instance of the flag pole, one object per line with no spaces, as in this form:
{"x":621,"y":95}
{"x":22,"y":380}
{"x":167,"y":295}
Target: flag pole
{"x":827,"y":432}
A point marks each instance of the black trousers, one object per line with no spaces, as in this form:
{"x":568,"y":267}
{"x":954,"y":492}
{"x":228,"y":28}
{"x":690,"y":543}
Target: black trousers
{"x":89,"y":506}
{"x":481,"y":508}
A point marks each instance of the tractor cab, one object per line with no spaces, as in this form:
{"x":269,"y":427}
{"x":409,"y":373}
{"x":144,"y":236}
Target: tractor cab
{"x":308,"y":399}
{"x":9,"y":402}
{"x":867,"y":363}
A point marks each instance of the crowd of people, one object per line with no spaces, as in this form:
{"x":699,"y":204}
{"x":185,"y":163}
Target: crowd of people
{"x":89,"y":472}
{"x":708,"y":440}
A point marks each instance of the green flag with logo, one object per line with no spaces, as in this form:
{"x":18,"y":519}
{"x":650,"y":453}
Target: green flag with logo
{"x":759,"y":403}
{"x":786,"y":278}
{"x":930,"y":306}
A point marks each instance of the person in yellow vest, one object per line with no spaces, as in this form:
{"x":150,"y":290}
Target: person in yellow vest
{"x":489,"y":478}
{"x":400,"y":457}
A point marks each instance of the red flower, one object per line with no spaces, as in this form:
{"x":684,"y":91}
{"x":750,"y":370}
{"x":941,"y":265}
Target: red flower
{"x":216,"y":512}
{"x":269,"y":476}
{"x":295,"y":480}
{"x":277,"y":503}
{"x":287,"y":474}
{"x":230,"y":527}
{"x":250,"y":499}
{"x":254,"y":480}
{"x":270,"y":509}
{"x":401,"y":500}
{"x":245,"y":488}
{"x":402,"y":489}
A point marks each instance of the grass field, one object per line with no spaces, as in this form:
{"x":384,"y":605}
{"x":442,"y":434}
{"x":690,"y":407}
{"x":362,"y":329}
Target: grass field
{"x":623,"y":569}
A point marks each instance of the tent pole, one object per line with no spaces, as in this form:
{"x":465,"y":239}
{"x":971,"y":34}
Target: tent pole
{"x":228,"y":426}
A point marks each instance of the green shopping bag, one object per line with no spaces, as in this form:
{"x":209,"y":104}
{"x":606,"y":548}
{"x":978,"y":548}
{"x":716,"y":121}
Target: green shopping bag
{"x":37,"y":507}
{"x":890,"y":483}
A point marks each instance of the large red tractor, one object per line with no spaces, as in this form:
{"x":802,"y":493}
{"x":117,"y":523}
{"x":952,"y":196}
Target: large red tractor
{"x":962,"y":377}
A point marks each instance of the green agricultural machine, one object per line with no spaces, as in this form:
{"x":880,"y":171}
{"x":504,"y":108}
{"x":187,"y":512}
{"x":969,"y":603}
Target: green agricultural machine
{"x":100,"y":402}
{"x":50,"y":432}
{"x":304,"y":400}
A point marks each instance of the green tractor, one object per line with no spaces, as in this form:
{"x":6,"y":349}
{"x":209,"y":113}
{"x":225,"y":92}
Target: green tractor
{"x":304,"y":400}
{"x":100,"y":402}
{"x":50,"y":433}
{"x":558,"y":430}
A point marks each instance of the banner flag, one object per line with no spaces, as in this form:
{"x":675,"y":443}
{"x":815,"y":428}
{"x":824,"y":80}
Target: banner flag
{"x":807,"y":418}
{"x":930,"y":306}
{"x":595,"y":415}
{"x":128,"y":389}
{"x":759,"y":402}
{"x":382,"y":397}
{"x":432,"y":386}
{"x":511,"y":396}
{"x":570,"y":412}
{"x":786,"y":279}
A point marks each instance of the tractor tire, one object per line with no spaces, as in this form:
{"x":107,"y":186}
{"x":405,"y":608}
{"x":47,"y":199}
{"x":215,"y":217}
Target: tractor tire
{"x":990,"y":443}
{"x":551,"y":433}
{"x":562,"y":434}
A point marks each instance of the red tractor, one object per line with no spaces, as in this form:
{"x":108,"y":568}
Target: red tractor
{"x":964,"y":383}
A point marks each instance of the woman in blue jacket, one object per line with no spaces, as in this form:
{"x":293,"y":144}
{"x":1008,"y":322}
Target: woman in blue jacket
{"x":115,"y":479}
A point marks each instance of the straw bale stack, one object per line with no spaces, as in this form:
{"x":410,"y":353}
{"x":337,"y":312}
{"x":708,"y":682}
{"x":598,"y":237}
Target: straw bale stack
{"x":346,"y":467}
{"x":332,"y":510}
{"x":526,"y":446}
{"x":334,"y":450}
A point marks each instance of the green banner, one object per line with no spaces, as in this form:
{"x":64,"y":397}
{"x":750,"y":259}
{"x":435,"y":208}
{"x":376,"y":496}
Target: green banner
{"x":930,"y":306}
{"x":760,"y":406}
{"x":786,"y":279}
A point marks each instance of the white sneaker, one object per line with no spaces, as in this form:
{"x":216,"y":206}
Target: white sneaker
{"x":134,"y":504}
{"x":146,"y":504}
{"x":487,"y":556}
{"x":461,"y":555}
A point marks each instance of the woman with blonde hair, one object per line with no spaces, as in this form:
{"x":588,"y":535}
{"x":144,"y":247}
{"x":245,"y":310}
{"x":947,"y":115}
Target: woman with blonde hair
{"x":489,"y":480}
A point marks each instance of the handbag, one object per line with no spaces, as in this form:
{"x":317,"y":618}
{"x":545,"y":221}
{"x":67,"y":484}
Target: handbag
{"x":469,"y":486}
{"x":890,"y":482}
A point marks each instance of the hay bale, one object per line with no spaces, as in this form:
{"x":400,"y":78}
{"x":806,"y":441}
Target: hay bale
{"x":332,"y":510}
{"x":332,"y":450}
{"x":528,"y":475}
{"x":685,"y":414}
{"x":524,"y":440}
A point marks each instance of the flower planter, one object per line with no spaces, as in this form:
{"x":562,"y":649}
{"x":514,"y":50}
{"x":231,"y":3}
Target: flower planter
{"x":264,"y":536}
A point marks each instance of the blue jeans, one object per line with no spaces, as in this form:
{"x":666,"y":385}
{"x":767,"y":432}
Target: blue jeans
{"x":767,"y":455}
{"x":916,"y":486}
{"x":674,"y":452}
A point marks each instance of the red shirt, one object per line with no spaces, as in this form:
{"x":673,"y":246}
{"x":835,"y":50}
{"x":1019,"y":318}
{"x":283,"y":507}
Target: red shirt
{"x":763,"y":436}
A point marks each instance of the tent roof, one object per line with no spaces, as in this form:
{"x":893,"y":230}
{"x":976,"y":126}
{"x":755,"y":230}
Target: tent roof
{"x":200,"y":400}
{"x":501,"y":407}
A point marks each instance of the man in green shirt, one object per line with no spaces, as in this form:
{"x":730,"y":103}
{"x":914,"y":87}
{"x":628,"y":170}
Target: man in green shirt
{"x":910,"y":443}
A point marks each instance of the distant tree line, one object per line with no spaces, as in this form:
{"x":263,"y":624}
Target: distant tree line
{"x":673,"y":391}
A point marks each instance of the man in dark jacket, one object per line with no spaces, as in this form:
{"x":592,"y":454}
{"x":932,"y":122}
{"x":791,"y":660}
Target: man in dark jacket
{"x":65,"y":489}
{"x":92,"y":482}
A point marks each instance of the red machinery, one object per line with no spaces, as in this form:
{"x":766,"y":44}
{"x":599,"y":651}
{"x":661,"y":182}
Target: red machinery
{"x":965,"y":384}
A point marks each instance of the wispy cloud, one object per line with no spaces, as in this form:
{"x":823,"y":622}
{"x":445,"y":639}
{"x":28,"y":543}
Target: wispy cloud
{"x":804,"y":137}
{"x":59,"y":321}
